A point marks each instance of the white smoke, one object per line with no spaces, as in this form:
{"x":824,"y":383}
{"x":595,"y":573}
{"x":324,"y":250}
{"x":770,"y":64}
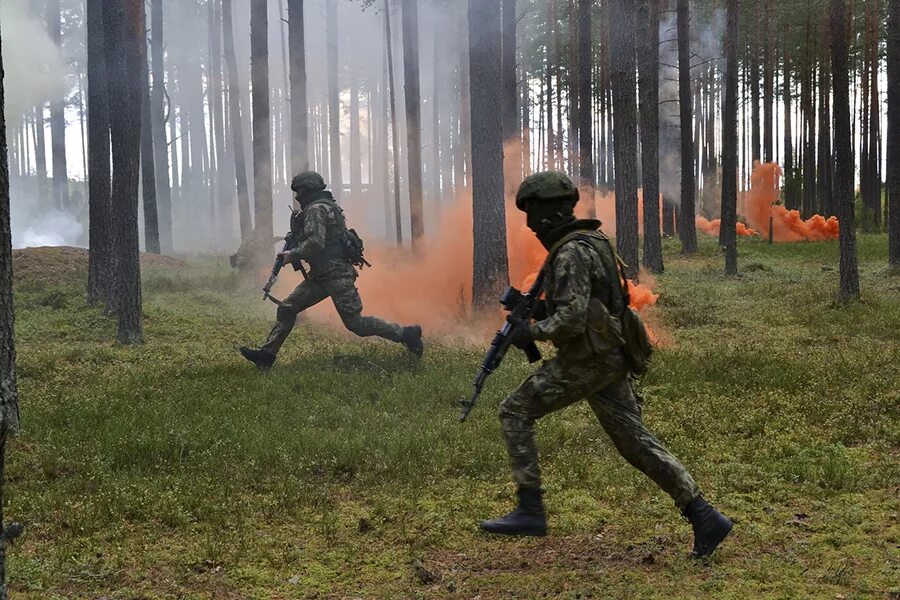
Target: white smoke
{"x":55,"y":228}
{"x":33,"y":63}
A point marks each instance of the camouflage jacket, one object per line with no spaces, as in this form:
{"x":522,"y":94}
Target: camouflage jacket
{"x":321,"y":245}
{"x":584,"y":298}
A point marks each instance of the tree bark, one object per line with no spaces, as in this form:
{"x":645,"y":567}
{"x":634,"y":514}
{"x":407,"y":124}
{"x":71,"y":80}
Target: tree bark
{"x":585,"y":105}
{"x":262,"y":136}
{"x":768,"y":89}
{"x":237,"y":124}
{"x":825,"y":159}
{"x":893,"y":132}
{"x":687,"y":228}
{"x":874,"y":144}
{"x":217,"y":110}
{"x":490,"y":266}
{"x":755,"y":125}
{"x":509,"y":114}
{"x":622,"y":45}
{"x":790,"y":198}
{"x":413,"y":118}
{"x":395,"y":143}
{"x":843,"y":171}
{"x":40,"y":148}
{"x":728,"y":224}
{"x":648,"y":69}
{"x":148,"y":168}
{"x":9,"y":398}
{"x":125,"y":44}
{"x":158,"y":128}
{"x":101,"y":234}
{"x":299,"y":110}
{"x":334,"y":100}
{"x":58,"y":120}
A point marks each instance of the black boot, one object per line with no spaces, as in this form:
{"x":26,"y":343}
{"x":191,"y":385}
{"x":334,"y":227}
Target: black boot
{"x":412,"y":339}
{"x":528,"y":518}
{"x":710,"y":526}
{"x":263,"y":360}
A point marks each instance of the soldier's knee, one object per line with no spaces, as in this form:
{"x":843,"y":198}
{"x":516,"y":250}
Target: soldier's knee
{"x":511,"y":411}
{"x":356,"y":324}
{"x":285,"y":315}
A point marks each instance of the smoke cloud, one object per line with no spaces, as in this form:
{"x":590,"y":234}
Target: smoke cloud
{"x":33,"y":63}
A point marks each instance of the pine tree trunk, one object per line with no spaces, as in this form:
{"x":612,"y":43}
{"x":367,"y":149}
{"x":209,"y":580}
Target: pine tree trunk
{"x":490,"y":267}
{"x":395,"y":135}
{"x":299,"y":110}
{"x":262,"y":140}
{"x":790,"y":198}
{"x":148,"y":168}
{"x":893,"y":132}
{"x":158,"y":128}
{"x":334,"y":100}
{"x":769,"y":89}
{"x":237,"y":124}
{"x":436,"y":75}
{"x":355,"y":146}
{"x":9,"y":399}
{"x":58,"y":120}
{"x":622,"y":46}
{"x":874,"y":145}
{"x":40,"y":148}
{"x":509,"y":114}
{"x":825,"y":159}
{"x":648,"y":68}
{"x":843,"y":171}
{"x":101,"y":233}
{"x":728,"y":237}
{"x":687,"y":228}
{"x":585,"y":105}
{"x":223,"y":184}
{"x":410,"y":22}
{"x":755,"y":125}
{"x":126,"y":48}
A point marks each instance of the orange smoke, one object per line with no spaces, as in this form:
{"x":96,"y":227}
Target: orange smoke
{"x":433,"y":285}
{"x":712,"y":227}
{"x":788,"y":226}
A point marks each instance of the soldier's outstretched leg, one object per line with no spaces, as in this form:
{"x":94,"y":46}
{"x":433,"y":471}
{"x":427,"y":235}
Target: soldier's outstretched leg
{"x":619,"y":413}
{"x":349,"y":306}
{"x":550,"y":388}
{"x":305,"y":295}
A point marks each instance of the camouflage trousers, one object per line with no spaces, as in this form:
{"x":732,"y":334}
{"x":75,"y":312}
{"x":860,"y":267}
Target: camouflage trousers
{"x":608,"y":390}
{"x":345,"y":296}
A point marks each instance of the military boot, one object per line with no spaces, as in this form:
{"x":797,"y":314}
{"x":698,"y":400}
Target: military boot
{"x":528,"y":518}
{"x":710,"y":526}
{"x":411,"y":337}
{"x":262,"y":360}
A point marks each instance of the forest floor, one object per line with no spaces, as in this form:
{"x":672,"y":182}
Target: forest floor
{"x":174,"y":470}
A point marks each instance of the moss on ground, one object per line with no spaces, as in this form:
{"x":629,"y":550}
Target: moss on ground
{"x":174,"y":470}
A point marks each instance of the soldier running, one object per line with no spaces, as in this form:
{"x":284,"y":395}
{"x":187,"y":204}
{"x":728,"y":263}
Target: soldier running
{"x":331,"y":275}
{"x":581,"y":271}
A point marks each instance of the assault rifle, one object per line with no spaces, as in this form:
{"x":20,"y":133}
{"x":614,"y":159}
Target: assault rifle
{"x":290,"y":242}
{"x":521,"y":309}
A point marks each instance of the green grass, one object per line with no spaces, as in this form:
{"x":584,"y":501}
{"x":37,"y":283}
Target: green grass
{"x":174,"y":470}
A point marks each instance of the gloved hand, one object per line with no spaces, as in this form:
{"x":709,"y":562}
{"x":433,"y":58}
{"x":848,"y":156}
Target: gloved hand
{"x":521,"y":333}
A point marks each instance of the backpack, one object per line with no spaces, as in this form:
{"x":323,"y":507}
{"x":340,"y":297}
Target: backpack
{"x":638,"y":347}
{"x":350,"y":245}
{"x":635,"y":340}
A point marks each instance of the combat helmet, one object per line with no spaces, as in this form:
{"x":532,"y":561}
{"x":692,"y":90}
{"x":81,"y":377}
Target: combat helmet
{"x":308,"y":181}
{"x":547,"y":186}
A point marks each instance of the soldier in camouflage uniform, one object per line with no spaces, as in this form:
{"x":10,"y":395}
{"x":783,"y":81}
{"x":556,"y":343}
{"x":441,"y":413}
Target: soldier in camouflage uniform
{"x":330,"y":275}
{"x":579,"y":316}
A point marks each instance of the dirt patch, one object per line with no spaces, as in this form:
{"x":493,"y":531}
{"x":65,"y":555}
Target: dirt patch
{"x":57,"y":263}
